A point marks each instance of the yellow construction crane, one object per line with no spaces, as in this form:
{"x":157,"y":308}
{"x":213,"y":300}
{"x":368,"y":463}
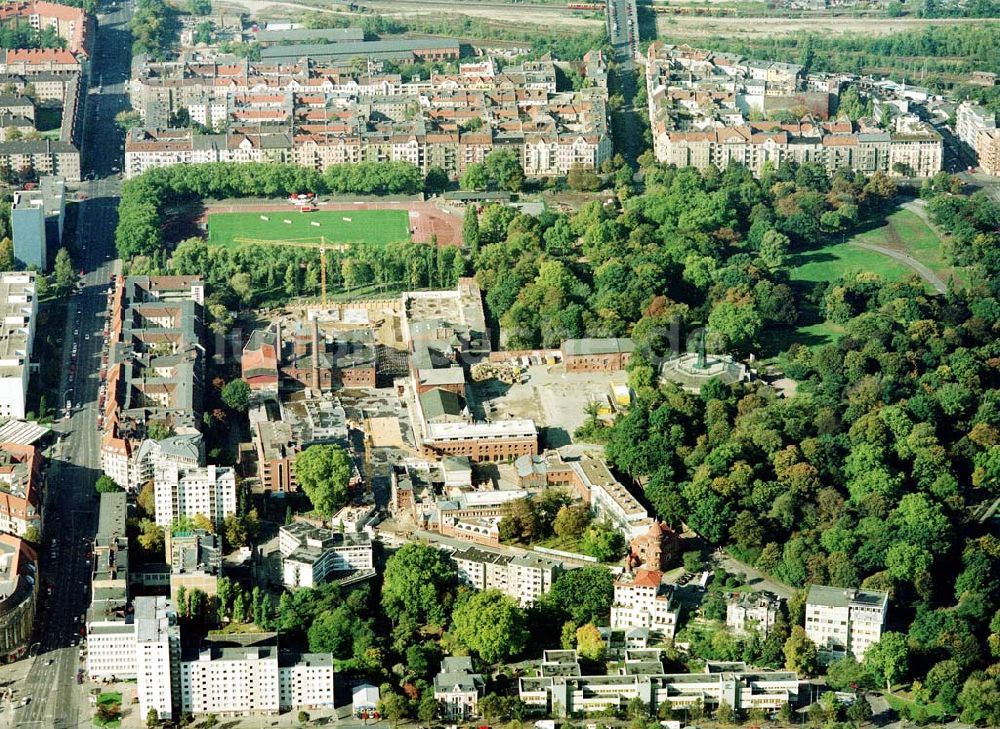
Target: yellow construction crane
{"x":316,"y":243}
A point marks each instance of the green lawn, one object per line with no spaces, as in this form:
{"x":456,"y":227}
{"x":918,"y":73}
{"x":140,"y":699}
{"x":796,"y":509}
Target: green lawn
{"x":903,"y":231}
{"x":342,"y":226}
{"x":934,"y":710}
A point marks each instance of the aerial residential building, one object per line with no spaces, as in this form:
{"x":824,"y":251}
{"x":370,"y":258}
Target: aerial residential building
{"x":746,"y":611}
{"x":69,"y":23}
{"x":643,"y":601}
{"x":312,"y":555}
{"x":110,"y":628}
{"x":36,"y":219}
{"x":155,"y":369}
{"x":845,"y":621}
{"x":525,"y":578}
{"x":20,"y":489}
{"x":18,"y":314}
{"x":19,"y":585}
{"x":988,"y":149}
{"x":562,"y":690}
{"x":157,"y":651}
{"x":184,"y":492}
{"x":970,"y":120}
{"x":457,"y":687}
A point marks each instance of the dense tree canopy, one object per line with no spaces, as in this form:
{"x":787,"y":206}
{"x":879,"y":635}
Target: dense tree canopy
{"x":323,"y":472}
{"x":418,"y":586}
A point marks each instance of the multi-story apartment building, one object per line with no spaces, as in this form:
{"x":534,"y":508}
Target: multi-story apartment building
{"x":988,"y":149}
{"x":155,"y":369}
{"x":643,"y":601}
{"x":42,"y":156}
{"x":19,"y":585}
{"x":314,"y":115}
{"x":36,"y":220}
{"x":20,"y":489}
{"x":157,"y":647}
{"x":69,"y":23}
{"x":561,"y":689}
{"x":843,"y":621}
{"x":34,"y":60}
{"x":752,"y":611}
{"x":970,"y":120}
{"x":457,"y":688}
{"x":312,"y":555}
{"x":110,"y":629}
{"x":700,"y":106}
{"x":19,"y":311}
{"x":185,"y":491}
{"x":525,"y":578}
{"x":248,"y":675}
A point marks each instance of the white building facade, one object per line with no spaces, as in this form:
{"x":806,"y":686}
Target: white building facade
{"x":185,"y":492}
{"x":845,"y":621}
{"x":643,"y":601}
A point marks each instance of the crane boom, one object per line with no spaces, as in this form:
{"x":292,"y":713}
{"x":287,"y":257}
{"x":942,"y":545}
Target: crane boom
{"x":319,"y":243}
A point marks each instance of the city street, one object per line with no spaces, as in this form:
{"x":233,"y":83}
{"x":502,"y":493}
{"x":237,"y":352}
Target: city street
{"x":55,"y":698}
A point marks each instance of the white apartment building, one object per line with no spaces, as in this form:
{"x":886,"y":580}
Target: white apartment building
{"x":157,"y":648}
{"x":18,"y":314}
{"x":183,"y":491}
{"x":609,"y":499}
{"x":752,"y":611}
{"x":250,"y":679}
{"x":970,"y":119}
{"x":110,"y":648}
{"x":524,"y":578}
{"x":643,"y":601}
{"x":310,"y":555}
{"x":845,"y":621}
{"x":305,"y":681}
{"x":234,"y":681}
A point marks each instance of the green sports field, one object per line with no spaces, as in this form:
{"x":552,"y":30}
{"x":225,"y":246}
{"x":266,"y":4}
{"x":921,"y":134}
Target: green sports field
{"x":340,"y":226}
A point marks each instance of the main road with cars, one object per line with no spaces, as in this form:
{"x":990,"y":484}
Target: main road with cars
{"x":55,"y":697}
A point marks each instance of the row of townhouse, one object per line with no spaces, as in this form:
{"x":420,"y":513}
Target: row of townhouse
{"x":450,"y":121}
{"x":71,"y":24}
{"x":912,"y":149}
{"x":976,"y":126}
{"x":152,"y":372}
{"x":701,"y":103}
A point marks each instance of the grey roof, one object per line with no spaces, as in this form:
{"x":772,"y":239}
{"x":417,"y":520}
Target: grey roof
{"x":843,"y":597}
{"x":334,"y":35}
{"x":457,"y":674}
{"x":608,"y":345}
{"x":362,"y":48}
{"x":437,"y":402}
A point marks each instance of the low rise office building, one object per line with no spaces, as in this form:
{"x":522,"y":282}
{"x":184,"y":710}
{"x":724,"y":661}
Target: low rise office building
{"x":312,"y":555}
{"x":562,"y":690}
